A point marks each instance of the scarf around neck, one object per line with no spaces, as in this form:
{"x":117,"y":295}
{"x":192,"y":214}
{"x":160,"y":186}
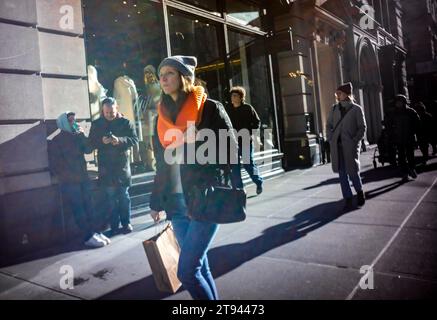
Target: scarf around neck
{"x":190,"y":111}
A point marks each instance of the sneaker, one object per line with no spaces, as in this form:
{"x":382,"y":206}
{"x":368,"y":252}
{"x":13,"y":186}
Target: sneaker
{"x":259,"y":189}
{"x":361,"y":199}
{"x":127,"y":229}
{"x":412,"y":173}
{"x":405,"y":178}
{"x":104,"y":238}
{"x":95,"y":242}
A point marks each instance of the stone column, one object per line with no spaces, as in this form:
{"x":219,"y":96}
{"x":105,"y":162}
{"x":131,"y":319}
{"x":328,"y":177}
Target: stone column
{"x":42,"y":73}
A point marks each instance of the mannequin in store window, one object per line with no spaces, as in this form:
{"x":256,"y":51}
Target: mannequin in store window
{"x":146,"y":106}
{"x":125,"y":93}
{"x":97,"y":93}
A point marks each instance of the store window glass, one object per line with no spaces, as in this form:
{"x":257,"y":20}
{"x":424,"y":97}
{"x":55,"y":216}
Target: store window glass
{"x":244,"y":13}
{"x":125,"y":41}
{"x":210,"y":5}
{"x":190,"y":35}
{"x":249,"y":69}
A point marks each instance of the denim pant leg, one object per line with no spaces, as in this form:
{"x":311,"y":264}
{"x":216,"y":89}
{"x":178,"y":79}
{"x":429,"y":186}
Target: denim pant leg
{"x":113,"y":207}
{"x":195,"y":238}
{"x":88,"y":204}
{"x":176,"y":207}
{"x":73,"y":196}
{"x":252,"y":168}
{"x":344,"y":180}
{"x":124,"y":205}
{"x":194,"y":271}
{"x":236,"y":180}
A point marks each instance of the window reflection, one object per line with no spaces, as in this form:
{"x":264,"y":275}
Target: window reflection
{"x":243,"y":13}
{"x":125,"y":42}
{"x":210,"y":5}
{"x":249,"y":69}
{"x":192,"y":36}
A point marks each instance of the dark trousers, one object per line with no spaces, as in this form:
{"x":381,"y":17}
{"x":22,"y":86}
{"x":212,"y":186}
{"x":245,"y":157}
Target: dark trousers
{"x":118,"y":201}
{"x":249,"y":165}
{"x":77,"y":197}
{"x":326,"y":151}
{"x":406,"y":158}
{"x":423,"y":146}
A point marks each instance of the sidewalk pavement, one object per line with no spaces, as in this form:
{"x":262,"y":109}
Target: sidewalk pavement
{"x":295,"y":244}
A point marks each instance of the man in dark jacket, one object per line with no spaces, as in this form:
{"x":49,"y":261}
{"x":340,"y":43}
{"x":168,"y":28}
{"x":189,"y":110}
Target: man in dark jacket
{"x":68,"y":164}
{"x":113,"y":135}
{"x":244,"y":116}
{"x":405,"y":124}
{"x":425,"y":133}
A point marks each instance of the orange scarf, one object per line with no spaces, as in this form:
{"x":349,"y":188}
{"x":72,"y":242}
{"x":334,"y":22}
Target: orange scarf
{"x":191,"y":110}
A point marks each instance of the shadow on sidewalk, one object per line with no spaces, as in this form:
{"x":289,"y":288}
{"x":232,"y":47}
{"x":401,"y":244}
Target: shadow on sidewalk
{"x":379,"y":174}
{"x":226,"y":258}
{"x":323,"y":183}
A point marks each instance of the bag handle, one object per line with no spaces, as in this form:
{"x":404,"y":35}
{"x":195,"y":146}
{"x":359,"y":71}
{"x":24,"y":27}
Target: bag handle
{"x":338,"y":123}
{"x":161,"y":223}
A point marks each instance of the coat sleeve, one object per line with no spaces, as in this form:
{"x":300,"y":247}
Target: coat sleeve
{"x":130,"y":138}
{"x":56,"y":157}
{"x":160,"y":177}
{"x":255,"y":120}
{"x":85,"y":144}
{"x":330,"y":125}
{"x":95,"y":138}
{"x":220,"y":120}
{"x":361,"y":125}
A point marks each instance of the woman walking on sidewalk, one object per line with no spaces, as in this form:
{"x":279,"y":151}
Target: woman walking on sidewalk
{"x":345,"y":129}
{"x":183,"y":102}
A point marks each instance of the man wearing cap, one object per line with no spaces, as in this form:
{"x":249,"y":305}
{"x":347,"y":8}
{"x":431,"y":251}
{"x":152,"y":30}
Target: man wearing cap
{"x":345,"y":129}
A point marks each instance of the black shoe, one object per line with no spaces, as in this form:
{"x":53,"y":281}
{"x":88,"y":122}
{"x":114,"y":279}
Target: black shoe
{"x":259,"y":189}
{"x":127,"y":229}
{"x":361,"y":199}
{"x":348,"y":205}
{"x":412,"y":173}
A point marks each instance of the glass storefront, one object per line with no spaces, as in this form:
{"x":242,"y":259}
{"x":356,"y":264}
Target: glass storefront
{"x":209,"y":5}
{"x":190,"y":35}
{"x":126,"y":40}
{"x":249,"y":69}
{"x":244,"y":13}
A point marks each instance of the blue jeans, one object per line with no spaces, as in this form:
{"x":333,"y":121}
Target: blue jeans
{"x":250,"y":167}
{"x":194,"y":238}
{"x":118,"y":201}
{"x":344,"y":177}
{"x":77,"y":196}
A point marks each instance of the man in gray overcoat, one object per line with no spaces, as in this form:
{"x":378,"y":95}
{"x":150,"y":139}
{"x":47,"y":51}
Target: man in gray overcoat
{"x":345,"y":129}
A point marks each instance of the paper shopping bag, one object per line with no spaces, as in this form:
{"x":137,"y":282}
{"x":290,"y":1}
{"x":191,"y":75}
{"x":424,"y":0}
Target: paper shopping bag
{"x":162,"y":252}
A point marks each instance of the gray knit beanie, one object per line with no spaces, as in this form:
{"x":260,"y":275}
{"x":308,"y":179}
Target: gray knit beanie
{"x":184,"y":64}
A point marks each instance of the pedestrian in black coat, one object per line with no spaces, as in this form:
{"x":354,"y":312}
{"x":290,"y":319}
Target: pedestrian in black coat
{"x":244,"y":117}
{"x":426,"y":130}
{"x":113,"y":136}
{"x":405,"y":125}
{"x":185,"y":108}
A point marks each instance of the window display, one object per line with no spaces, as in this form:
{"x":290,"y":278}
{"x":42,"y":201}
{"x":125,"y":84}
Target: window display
{"x":125,"y":40}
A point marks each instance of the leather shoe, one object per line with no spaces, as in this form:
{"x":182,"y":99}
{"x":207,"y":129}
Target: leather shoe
{"x":127,"y":229}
